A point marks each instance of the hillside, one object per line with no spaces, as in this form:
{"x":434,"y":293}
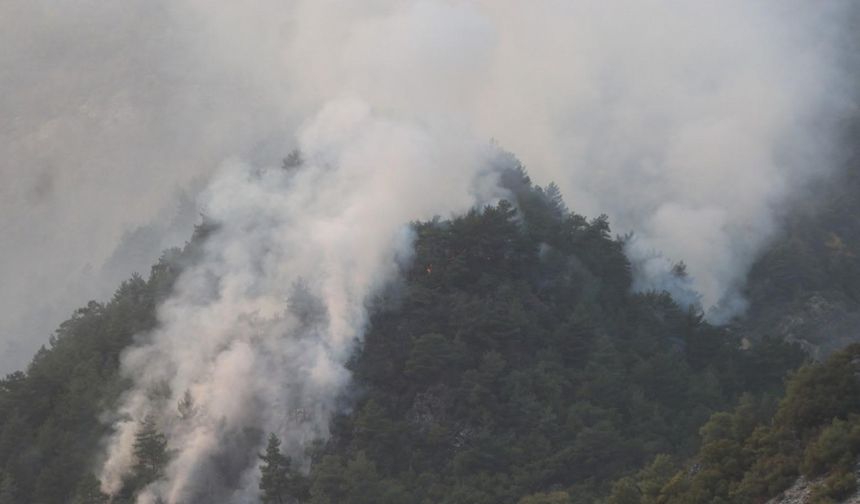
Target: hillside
{"x":308,"y":271}
{"x":511,"y":360}
{"x":806,"y":287}
{"x":519,"y":363}
{"x":807,"y":448}
{"x":801,"y":450}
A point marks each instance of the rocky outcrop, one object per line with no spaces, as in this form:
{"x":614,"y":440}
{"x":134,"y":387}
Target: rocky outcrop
{"x":821,"y":323}
{"x":801,"y":491}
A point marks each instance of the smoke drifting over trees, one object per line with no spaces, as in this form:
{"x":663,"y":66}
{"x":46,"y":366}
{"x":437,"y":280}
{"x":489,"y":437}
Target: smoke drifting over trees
{"x":691,"y":125}
{"x":332,"y":231}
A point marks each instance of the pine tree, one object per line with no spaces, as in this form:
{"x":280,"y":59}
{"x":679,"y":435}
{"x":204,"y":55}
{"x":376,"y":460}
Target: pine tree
{"x":150,"y":450}
{"x":274,"y":483}
{"x":89,"y":492}
{"x":185,"y":407}
{"x":555,"y":200}
{"x":293,"y":160}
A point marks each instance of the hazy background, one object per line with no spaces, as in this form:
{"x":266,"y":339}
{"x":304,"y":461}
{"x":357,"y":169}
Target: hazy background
{"x":108,"y":112}
{"x":690,"y":123}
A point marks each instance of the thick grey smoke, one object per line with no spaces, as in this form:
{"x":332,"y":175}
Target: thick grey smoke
{"x":326,"y":235}
{"x":690,"y":123}
{"x":108,"y":111}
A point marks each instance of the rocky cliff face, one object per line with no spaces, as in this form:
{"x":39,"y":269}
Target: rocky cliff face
{"x":801,"y":493}
{"x":821,"y":323}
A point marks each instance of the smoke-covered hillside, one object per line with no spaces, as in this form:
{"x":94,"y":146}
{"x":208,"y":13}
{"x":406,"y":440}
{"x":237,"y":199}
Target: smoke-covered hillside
{"x":691,"y":125}
{"x":806,"y":286}
{"x":381,"y":304}
{"x":512,"y":359}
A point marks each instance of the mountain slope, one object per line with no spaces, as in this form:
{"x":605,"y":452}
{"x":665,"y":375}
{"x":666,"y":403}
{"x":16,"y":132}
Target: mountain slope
{"x":806,"y":287}
{"x":748,"y":455}
{"x":518,"y":362}
{"x":510,"y":363}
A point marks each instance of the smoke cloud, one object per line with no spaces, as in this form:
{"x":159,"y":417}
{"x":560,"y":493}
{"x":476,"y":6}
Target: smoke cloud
{"x":324,"y":237}
{"x":690,"y":124}
{"x":108,"y":113}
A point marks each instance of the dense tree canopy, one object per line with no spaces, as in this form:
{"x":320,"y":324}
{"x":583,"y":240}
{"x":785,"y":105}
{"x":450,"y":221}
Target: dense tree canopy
{"x":518,"y":365}
{"x":749,"y":456}
{"x":511,"y":365}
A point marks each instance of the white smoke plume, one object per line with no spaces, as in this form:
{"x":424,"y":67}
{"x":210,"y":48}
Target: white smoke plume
{"x":689,"y":123}
{"x":108,"y":110}
{"x":261,"y":328}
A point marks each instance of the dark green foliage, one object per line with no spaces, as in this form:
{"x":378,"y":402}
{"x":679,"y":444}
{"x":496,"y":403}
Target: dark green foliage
{"x":547,"y":498}
{"x":818,"y":394}
{"x":88,"y":492}
{"x":517,"y":365}
{"x":280,"y":482}
{"x":150,"y":453}
{"x":514,"y":366}
{"x":834,"y":488}
{"x":646,"y":485}
{"x":49,"y":416}
{"x":432,"y":355}
{"x":748,"y":457}
{"x":274,"y":470}
{"x":835,"y":446}
{"x":329,"y":485}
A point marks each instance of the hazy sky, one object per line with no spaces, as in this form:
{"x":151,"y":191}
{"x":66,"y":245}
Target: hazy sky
{"x":106,"y":110}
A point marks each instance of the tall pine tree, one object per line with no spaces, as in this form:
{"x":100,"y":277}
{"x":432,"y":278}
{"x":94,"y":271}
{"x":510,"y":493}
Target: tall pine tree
{"x":150,"y":451}
{"x":274,"y":483}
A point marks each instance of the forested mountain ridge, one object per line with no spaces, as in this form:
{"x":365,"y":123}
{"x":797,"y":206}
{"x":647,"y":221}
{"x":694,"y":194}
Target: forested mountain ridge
{"x":533,"y":368}
{"x":511,"y":364}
